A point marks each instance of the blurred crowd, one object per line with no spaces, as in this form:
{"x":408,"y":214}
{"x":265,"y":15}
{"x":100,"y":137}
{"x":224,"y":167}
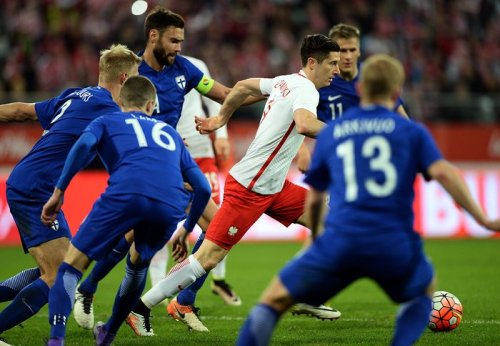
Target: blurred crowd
{"x":450,"y":48}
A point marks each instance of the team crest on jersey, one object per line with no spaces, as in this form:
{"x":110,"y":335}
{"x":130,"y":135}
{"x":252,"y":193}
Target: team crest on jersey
{"x":232,"y":231}
{"x":181,"y":81}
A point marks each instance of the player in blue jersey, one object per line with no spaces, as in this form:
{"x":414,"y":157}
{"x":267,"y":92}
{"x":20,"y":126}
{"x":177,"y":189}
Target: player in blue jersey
{"x":367,"y":160}
{"x":148,"y":163}
{"x":341,"y":94}
{"x":32,"y":180}
{"x":173,"y":76}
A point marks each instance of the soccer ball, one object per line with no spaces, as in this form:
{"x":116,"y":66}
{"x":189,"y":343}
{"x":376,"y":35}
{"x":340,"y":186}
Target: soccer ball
{"x":446,"y":312}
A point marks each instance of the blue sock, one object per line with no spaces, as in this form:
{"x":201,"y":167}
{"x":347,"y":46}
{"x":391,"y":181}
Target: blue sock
{"x":61,"y":299}
{"x":188,"y":295}
{"x":13,"y":285}
{"x":259,"y":326}
{"x":102,"y":268}
{"x":411,"y":321}
{"x":26,"y":303}
{"x":128,"y":294}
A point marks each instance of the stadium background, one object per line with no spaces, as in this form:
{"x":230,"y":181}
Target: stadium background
{"x":450,"y":50}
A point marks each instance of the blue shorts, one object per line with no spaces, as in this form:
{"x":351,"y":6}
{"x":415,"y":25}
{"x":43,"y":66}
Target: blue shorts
{"x":27,"y":212}
{"x":396,"y":262}
{"x":114,"y":215}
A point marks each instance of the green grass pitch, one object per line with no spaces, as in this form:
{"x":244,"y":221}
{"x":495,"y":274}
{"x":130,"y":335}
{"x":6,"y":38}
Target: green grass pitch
{"x":469,"y":268}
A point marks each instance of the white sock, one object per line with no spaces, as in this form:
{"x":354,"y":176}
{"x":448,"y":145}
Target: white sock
{"x":158,"y":266}
{"x":219,"y":272}
{"x":179,"y":277}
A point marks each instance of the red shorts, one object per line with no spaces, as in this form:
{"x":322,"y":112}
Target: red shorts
{"x":209,"y":168}
{"x":241,"y":208}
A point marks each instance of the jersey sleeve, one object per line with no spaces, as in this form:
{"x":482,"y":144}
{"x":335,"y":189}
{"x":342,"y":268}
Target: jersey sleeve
{"x":96,"y":127}
{"x":427,"y":152}
{"x":318,"y":175}
{"x":196,"y":78}
{"x":47,"y":110}
{"x":307,"y":98}
{"x":266,"y":86}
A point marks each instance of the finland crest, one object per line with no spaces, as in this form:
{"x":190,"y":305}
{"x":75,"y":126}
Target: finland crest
{"x":181,"y":81}
{"x":55,"y":225}
{"x":232,"y":231}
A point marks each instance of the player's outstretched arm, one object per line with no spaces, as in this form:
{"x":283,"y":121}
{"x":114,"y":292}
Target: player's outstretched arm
{"x":236,"y":98}
{"x":17,"y":111}
{"x":450,"y":178}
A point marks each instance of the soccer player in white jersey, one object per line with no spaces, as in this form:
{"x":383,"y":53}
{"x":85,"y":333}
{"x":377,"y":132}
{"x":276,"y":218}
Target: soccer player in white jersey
{"x":202,"y":150}
{"x":257,"y":184}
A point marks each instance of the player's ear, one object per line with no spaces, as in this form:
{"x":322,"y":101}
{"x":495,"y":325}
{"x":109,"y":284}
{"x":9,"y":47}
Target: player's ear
{"x":123,"y":77}
{"x":154,"y":35}
{"x":150,"y":106}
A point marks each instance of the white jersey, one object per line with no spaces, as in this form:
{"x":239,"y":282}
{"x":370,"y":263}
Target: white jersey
{"x":199,"y":146}
{"x":265,"y":165}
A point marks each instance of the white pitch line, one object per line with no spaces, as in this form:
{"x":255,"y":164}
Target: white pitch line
{"x":350,"y":319}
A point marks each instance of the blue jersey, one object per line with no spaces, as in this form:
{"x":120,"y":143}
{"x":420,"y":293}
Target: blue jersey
{"x":172,"y":83}
{"x":368,"y":159}
{"x":338,"y":97}
{"x":143,"y":156}
{"x":63,"y":118}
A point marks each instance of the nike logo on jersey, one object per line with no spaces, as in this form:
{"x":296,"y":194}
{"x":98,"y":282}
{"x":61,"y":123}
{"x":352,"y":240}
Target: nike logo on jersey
{"x":333,"y":98}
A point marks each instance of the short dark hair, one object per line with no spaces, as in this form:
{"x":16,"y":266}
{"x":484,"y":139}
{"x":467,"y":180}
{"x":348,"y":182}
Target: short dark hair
{"x":317,"y":46}
{"x":160,"y":18}
{"x":137,"y":91}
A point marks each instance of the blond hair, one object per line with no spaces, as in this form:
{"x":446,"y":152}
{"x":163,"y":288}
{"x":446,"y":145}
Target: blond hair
{"x":137,"y":91}
{"x":344,"y":31}
{"x":116,"y":60}
{"x":381,"y":76}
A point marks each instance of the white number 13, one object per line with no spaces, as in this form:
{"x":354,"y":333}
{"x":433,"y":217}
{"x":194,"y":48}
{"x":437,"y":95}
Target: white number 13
{"x":381,"y":162}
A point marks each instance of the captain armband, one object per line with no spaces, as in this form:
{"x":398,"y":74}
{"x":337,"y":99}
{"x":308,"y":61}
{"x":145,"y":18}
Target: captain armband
{"x":205,"y":85}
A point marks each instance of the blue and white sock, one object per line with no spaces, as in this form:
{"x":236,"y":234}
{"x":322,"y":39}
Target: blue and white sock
{"x":61,"y":299}
{"x":103,"y":267}
{"x":411,"y":321}
{"x":259,"y":326}
{"x":128,"y":294}
{"x":26,"y":303}
{"x":13,"y":285}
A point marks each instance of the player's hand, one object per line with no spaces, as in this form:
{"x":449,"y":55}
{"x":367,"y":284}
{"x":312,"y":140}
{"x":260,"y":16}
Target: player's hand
{"x":180,"y":245}
{"x":207,"y":125}
{"x":188,"y":187}
{"x":52,"y":207}
{"x":222,"y":148}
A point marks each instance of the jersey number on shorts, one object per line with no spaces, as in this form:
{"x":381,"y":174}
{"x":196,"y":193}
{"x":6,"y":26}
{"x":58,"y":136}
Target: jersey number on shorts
{"x":378,"y":151}
{"x":157,"y":134}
